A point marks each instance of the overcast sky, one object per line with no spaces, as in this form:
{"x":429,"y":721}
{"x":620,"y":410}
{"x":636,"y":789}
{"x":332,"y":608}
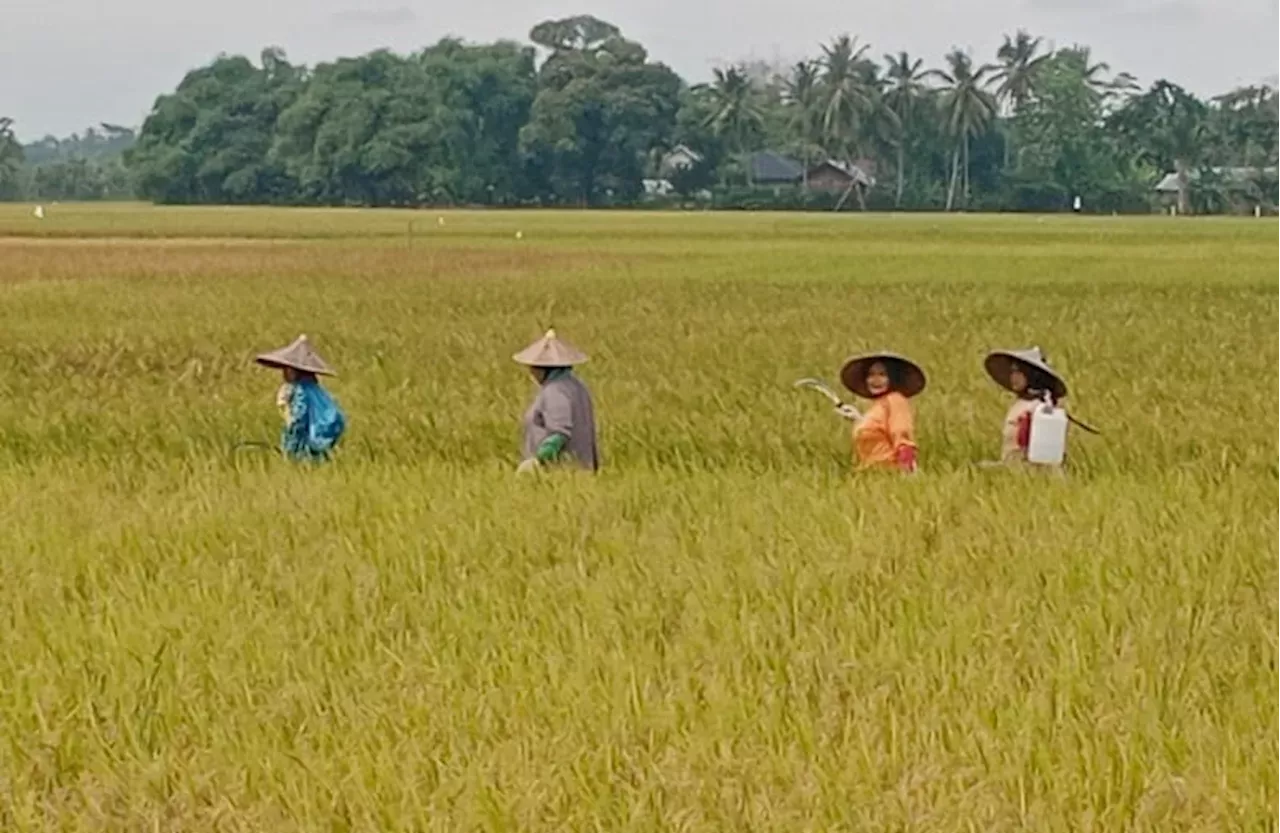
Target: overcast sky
{"x":66,"y":64}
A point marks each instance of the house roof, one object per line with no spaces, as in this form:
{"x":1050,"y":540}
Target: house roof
{"x":685,"y":151}
{"x":767,"y":166}
{"x":849,"y":169}
{"x":680,"y":156}
{"x":1168,"y":183}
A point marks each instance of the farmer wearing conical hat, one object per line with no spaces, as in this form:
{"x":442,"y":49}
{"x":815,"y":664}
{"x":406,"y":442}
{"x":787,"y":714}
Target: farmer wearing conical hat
{"x":884,"y":436}
{"x":560,"y":425}
{"x":313,"y":422}
{"x":1027,"y":375}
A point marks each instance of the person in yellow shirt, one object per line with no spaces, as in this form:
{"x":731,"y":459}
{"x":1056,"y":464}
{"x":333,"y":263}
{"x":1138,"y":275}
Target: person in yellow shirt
{"x":884,"y":436}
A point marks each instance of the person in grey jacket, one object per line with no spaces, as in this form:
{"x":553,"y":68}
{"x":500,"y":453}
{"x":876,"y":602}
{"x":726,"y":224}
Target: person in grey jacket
{"x":560,"y":425}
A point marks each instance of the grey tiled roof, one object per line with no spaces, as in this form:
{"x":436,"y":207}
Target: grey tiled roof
{"x":767,"y":166}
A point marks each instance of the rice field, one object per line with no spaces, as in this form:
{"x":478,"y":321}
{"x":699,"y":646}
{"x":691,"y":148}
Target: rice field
{"x":727,"y":629}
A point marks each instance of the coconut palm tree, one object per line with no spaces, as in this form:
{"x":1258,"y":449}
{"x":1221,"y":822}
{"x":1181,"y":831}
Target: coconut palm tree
{"x":735,"y":114}
{"x":1020,"y":62}
{"x":845,"y":97}
{"x":903,"y":92}
{"x":967,"y":108}
{"x":881,"y":128}
{"x":801,"y":93}
{"x":1093,"y":76}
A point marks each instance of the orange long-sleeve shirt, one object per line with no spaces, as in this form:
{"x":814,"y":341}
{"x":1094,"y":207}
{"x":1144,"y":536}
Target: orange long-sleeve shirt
{"x":887,"y":426}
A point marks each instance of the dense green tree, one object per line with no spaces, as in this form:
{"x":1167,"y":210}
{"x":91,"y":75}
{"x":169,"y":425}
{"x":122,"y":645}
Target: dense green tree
{"x":439,"y":126}
{"x":601,"y":106}
{"x":1245,"y":122}
{"x":106,"y":140}
{"x":1171,"y":129}
{"x":579,"y":34}
{"x":209,"y":140}
{"x":79,"y":178}
{"x":1065,"y":150}
{"x":11,"y":158}
{"x":87,"y":166}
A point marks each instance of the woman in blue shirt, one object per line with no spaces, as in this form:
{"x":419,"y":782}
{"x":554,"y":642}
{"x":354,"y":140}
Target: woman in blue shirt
{"x":313,"y":422}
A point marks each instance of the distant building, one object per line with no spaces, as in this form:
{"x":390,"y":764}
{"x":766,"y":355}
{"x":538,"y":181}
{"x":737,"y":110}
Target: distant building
{"x":1168,"y":184}
{"x":678,"y":158}
{"x":769,"y":168}
{"x":1242,"y":185}
{"x":657,"y":187}
{"x":830,"y":175}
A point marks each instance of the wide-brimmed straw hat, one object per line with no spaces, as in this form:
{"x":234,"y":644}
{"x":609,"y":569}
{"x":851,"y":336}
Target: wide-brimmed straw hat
{"x":550,"y":351}
{"x":908,"y":380}
{"x":1000,"y":364}
{"x":299,"y":355}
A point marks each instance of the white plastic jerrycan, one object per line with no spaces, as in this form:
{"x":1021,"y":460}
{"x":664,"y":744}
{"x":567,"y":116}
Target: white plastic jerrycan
{"x":1047,"y":445}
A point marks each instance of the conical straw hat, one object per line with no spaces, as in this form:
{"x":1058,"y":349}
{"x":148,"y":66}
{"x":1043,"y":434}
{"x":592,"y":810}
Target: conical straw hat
{"x":999,"y":365}
{"x":550,"y":351}
{"x":910,"y":378}
{"x":300,"y":356}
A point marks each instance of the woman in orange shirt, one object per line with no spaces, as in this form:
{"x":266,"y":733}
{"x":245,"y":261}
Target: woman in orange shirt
{"x":883,"y":437}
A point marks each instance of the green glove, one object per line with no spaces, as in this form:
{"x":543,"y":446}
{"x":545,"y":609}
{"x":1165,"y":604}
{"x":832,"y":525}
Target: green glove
{"x":551,"y":448}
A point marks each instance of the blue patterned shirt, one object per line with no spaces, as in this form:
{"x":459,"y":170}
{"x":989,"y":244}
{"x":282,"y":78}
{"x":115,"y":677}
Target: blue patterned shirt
{"x":313,"y":422}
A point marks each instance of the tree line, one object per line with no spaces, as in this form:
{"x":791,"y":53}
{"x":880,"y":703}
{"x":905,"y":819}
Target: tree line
{"x":582,"y":116}
{"x":88,"y":166}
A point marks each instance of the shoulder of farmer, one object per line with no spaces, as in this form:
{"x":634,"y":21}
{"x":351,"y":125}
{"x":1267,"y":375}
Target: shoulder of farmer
{"x":556,"y":403}
{"x":897,"y":405}
{"x":566,"y":389}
